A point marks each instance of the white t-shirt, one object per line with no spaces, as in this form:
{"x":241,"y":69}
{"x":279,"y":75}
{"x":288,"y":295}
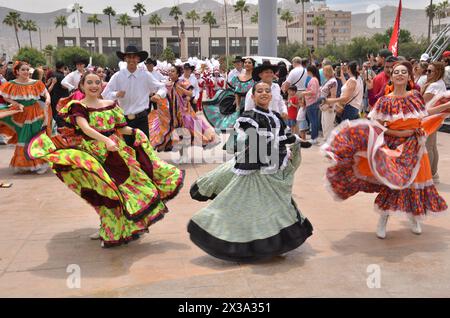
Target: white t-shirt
{"x":436,"y":88}
{"x":277,"y":103}
{"x":298,"y":77}
{"x":357,"y":96}
{"x":421,"y":81}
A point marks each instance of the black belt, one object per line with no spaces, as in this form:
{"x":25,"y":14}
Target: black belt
{"x":143,"y":113}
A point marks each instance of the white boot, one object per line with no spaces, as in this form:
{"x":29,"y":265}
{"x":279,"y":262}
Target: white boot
{"x":95,"y":236}
{"x":381,"y":228}
{"x":415,"y":226}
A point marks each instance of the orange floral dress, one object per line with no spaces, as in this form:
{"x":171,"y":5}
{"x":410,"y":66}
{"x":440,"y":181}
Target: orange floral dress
{"x":25,"y":125}
{"x":398,"y":169}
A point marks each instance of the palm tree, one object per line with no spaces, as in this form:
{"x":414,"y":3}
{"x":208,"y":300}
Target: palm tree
{"x":30,"y":26}
{"x":318,"y":22}
{"x":209,"y":19}
{"x":430,"y":11}
{"x":124,"y":20}
{"x":13,"y":19}
{"x":61,"y":21}
{"x":78,"y":10}
{"x":255,"y":18}
{"x":140,"y":9}
{"x":193,"y":16}
{"x":304,"y":17}
{"x":287,"y":17}
{"x":109,"y":11}
{"x":241,"y":6}
{"x":155,"y":20}
{"x":441,"y":11}
{"x":94,"y":20}
{"x":175,"y":11}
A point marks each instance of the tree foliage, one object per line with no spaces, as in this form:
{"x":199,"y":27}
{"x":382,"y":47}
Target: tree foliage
{"x":68,"y":54}
{"x":30,"y":55}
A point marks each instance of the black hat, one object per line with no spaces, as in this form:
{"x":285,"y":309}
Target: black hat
{"x":188,"y":66}
{"x":131,"y":49}
{"x":151,"y":61}
{"x":80,"y":60}
{"x":238,"y":59}
{"x":384,"y":53}
{"x":266,"y":65}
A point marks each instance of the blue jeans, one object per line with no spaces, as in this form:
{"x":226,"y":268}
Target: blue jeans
{"x":350,"y":113}
{"x":313,"y":114}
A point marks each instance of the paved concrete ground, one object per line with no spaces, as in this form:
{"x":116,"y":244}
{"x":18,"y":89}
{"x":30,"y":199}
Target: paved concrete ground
{"x":44,"y":227}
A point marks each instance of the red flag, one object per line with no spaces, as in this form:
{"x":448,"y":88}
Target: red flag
{"x":393,"y":43}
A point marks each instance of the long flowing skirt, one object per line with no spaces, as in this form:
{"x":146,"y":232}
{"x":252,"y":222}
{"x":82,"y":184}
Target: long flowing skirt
{"x":398,"y":169}
{"x":251,"y":217}
{"x":21,"y":127}
{"x":127,"y":188}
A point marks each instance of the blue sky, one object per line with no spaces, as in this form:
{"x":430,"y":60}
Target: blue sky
{"x":122,"y":6}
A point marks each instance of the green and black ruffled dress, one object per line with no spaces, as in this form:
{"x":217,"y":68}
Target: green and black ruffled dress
{"x":252,"y":215}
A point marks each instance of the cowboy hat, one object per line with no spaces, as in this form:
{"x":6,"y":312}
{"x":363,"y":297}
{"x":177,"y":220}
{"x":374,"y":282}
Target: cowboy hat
{"x":80,"y":60}
{"x":131,"y":49}
{"x":266,"y":65}
{"x":151,"y":61}
{"x":238,"y":59}
{"x":189,"y":66}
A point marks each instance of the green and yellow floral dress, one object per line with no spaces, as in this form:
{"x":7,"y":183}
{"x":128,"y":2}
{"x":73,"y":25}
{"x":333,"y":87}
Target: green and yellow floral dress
{"x":127,"y":188}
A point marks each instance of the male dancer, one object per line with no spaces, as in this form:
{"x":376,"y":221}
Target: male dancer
{"x":132,"y":86}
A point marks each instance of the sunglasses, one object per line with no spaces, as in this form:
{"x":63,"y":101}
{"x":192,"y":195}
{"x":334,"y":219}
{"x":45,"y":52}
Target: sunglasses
{"x":429,"y":71}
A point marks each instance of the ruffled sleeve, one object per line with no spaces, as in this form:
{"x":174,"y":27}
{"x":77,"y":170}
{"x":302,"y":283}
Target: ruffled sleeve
{"x":246,"y":120}
{"x":389,"y":108}
{"x":119,"y":117}
{"x":73,"y":110}
{"x":15,"y":91}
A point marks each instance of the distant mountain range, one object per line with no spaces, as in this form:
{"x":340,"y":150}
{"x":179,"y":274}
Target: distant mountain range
{"x":413,"y":20}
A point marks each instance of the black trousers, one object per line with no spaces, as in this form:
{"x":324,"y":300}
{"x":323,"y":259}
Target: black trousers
{"x":139,"y":123}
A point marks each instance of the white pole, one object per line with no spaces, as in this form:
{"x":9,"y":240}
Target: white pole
{"x":267,"y":30}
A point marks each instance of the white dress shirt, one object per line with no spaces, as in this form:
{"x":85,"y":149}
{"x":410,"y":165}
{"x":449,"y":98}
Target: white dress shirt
{"x":137,"y":87}
{"x":277,"y":103}
{"x":194,"y":82}
{"x":233,"y":73}
{"x":72,"y":80}
{"x":158,"y":76}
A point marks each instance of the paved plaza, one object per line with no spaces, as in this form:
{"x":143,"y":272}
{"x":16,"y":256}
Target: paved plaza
{"x":45,"y":228}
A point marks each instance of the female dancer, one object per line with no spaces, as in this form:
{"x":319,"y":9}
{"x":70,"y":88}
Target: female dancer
{"x":25,"y":92}
{"x":127,"y":186}
{"x":387,"y":154}
{"x":175,"y":117}
{"x":252,"y":215}
{"x":225,"y":118}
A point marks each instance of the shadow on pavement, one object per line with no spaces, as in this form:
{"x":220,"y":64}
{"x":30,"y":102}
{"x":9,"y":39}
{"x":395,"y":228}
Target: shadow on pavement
{"x":77,"y":248}
{"x":397,"y":245}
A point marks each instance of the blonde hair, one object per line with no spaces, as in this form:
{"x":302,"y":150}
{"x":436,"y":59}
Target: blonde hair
{"x":328,"y":71}
{"x":439,"y":71}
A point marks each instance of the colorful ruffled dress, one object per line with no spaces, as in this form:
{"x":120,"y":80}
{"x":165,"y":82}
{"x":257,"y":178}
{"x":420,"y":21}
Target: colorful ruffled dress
{"x":223,"y":116}
{"x":176,"y":117}
{"x":398,"y":169}
{"x":24,"y":125}
{"x":128,"y":188}
{"x":252,"y":215}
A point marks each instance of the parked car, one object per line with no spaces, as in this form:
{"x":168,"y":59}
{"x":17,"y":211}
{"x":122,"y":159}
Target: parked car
{"x":273,"y":60}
